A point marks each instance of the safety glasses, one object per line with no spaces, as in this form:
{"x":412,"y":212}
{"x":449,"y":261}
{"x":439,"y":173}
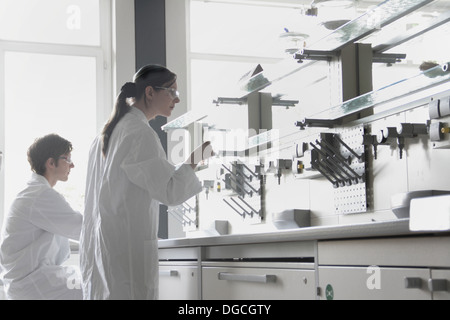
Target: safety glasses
{"x":67,"y":159}
{"x":173,"y":93}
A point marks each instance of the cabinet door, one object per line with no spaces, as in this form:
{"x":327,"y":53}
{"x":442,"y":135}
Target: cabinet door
{"x":178,"y":282}
{"x":257,"y":283}
{"x":353,"y":283}
{"x":440,"y":285}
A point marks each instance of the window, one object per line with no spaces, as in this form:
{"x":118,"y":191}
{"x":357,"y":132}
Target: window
{"x":228,"y":38}
{"x":54,"y":79}
{"x":51,"y":21}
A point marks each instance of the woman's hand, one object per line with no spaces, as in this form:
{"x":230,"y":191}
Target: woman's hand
{"x":201,"y":153}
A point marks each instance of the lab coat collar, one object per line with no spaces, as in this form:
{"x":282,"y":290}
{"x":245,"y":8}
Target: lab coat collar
{"x":138,"y":113}
{"x":40,"y":179}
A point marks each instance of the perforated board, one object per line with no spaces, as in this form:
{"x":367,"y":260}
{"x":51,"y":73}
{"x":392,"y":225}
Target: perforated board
{"x":352,"y":198}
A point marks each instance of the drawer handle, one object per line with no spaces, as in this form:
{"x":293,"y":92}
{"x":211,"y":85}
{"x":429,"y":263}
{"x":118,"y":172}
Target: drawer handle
{"x":435,"y":285}
{"x":413,"y":283}
{"x":170,"y":273}
{"x":265,"y":278}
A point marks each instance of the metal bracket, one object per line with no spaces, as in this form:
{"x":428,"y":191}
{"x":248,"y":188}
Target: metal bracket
{"x":321,"y":123}
{"x":318,"y":55}
{"x":240,"y":101}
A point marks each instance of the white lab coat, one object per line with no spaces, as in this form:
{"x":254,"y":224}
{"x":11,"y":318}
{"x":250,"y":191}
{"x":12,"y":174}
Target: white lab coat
{"x":119,"y":238}
{"x":35,"y":242}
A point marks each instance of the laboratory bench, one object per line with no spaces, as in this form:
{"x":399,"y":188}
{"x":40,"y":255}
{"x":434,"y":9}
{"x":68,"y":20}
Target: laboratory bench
{"x":379,"y":260}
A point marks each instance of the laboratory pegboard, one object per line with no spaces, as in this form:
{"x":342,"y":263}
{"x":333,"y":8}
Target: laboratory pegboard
{"x":352,"y":198}
{"x":246,"y":198}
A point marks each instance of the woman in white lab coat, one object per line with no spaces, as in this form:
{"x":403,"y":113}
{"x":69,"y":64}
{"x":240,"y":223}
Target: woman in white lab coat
{"x":128,"y":177}
{"x":37,"y":229}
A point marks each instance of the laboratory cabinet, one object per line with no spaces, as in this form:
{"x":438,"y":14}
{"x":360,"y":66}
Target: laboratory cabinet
{"x":178,"y":281}
{"x":386,"y":283}
{"x":373,"y":283}
{"x":179,"y":274}
{"x":357,"y":262}
{"x":263,"y":281}
{"x":416,"y":268}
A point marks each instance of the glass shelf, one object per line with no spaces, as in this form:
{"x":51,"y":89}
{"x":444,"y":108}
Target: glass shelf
{"x":369,"y":22}
{"x":183,"y":121}
{"x":422,"y":81}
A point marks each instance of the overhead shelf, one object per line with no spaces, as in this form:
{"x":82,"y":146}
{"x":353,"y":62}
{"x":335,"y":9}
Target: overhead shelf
{"x":427,"y":79}
{"x":368,"y":23}
{"x":183,"y":121}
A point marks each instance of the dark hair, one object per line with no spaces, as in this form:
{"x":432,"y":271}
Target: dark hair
{"x":49,"y":146}
{"x":150,"y":75}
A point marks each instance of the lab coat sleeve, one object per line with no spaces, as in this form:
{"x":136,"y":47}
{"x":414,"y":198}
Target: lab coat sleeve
{"x":166,"y":183}
{"x":51,"y":212}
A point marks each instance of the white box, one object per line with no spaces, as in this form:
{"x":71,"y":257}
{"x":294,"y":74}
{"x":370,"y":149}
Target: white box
{"x":430,"y":214}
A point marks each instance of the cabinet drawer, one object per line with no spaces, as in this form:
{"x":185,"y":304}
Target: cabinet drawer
{"x":257,"y":283}
{"x":178,"y":282}
{"x":370,"y":283}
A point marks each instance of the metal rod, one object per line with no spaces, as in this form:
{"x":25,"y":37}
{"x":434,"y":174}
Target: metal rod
{"x":234,"y":174}
{"x":234,"y":189}
{"x":187,"y":207}
{"x":335,"y":163}
{"x":355,"y":176}
{"x":251,"y":171}
{"x":184,"y":216}
{"x":241,"y":214}
{"x":325,"y":155}
{"x":347,"y":147}
{"x":180,"y":216}
{"x":333,"y":150}
{"x":240,"y":172}
{"x":241,"y":186}
{"x":335,"y":183}
{"x":239,"y":182}
{"x":176,"y":216}
{"x":245,"y":211}
{"x":318,"y":149}
{"x":333,"y":168}
{"x":254,"y":190}
{"x":344,"y":162}
{"x":251,"y":208}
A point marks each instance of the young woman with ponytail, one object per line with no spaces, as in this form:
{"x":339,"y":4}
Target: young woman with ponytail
{"x":128,"y":177}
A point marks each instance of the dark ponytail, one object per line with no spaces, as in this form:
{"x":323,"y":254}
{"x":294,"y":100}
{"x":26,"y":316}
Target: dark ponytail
{"x":150,"y":75}
{"x":121,"y":107}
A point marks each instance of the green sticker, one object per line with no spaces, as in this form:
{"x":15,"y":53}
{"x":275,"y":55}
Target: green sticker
{"x":329,"y":293}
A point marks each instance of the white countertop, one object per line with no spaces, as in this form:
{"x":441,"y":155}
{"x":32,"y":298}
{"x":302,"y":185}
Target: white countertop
{"x":398,"y":227}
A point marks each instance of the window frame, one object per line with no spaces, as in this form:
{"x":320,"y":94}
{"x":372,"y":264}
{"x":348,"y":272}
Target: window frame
{"x":104,"y":66}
